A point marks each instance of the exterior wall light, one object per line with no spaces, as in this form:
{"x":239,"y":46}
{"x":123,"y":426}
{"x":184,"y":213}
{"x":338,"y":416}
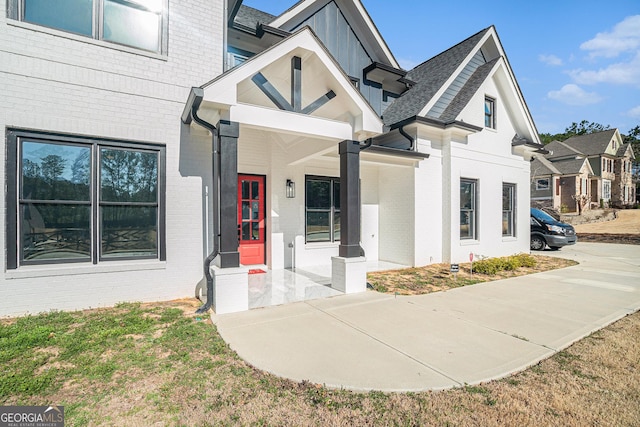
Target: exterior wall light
{"x":291,"y":189}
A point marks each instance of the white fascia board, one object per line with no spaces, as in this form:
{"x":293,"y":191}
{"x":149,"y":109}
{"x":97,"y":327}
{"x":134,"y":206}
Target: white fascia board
{"x":305,"y":9}
{"x":291,"y":123}
{"x":295,"y":11}
{"x":516,"y":103}
{"x":223,"y":90}
{"x":454,"y":75}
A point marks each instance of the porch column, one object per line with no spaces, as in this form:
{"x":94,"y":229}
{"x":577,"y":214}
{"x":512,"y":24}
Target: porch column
{"x":228,"y":133}
{"x":349,"y":199}
{"x":349,"y":270}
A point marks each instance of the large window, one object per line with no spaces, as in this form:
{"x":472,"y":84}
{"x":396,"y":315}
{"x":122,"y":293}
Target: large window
{"x":83,"y":200}
{"x":468,"y":208}
{"x":140,"y":24}
{"x":322,"y":209}
{"x":508,"y":209}
{"x":489,"y":112}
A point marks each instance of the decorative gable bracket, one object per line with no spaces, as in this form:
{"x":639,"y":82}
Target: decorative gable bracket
{"x":296,"y":91}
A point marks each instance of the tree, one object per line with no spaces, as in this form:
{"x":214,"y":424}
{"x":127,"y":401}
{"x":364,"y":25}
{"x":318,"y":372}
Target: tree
{"x":582,"y":128}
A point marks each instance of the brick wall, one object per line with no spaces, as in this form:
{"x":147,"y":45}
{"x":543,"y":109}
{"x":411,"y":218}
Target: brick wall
{"x":58,"y":82}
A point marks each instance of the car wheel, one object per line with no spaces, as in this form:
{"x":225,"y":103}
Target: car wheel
{"x":554,"y":248}
{"x":537,"y":243}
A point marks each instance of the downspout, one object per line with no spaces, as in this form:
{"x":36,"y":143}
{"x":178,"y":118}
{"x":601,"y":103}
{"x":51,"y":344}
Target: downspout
{"x":409,"y":137}
{"x":195,"y":99}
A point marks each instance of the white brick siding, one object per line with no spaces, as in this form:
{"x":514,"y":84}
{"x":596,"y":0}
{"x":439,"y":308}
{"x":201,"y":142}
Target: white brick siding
{"x":55,"y":82}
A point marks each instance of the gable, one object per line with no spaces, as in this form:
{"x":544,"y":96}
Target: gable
{"x":354,"y":13}
{"x":320,"y":99}
{"x":338,"y":36}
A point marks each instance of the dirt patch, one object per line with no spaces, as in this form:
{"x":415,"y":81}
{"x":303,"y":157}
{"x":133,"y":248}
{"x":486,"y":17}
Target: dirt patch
{"x":437,"y":277}
{"x":625,"y":239}
{"x":627,"y":222}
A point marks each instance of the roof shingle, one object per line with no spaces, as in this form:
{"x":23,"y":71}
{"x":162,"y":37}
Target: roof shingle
{"x":429,"y":78}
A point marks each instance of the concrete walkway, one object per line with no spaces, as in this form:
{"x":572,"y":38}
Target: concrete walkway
{"x":464,"y":336}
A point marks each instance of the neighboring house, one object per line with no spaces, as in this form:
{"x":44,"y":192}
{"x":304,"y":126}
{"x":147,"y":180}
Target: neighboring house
{"x":561,"y":177}
{"x":325,"y":151}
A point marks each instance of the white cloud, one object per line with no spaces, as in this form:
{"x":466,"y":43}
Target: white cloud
{"x":550,"y":60}
{"x":572,"y":94}
{"x":624,"y":37}
{"x":620,"y":73}
{"x":634,"y":112}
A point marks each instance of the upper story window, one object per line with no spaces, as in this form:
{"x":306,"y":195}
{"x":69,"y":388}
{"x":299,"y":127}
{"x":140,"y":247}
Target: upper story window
{"x":141,"y":24}
{"x":489,"y":112}
{"x":237,"y":56}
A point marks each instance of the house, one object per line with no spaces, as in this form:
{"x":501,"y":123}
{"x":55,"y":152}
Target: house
{"x":596,"y":167}
{"x":136,"y":154}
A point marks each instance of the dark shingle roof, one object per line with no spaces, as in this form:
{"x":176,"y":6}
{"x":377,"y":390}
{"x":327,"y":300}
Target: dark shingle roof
{"x":468,"y":90}
{"x":429,"y":78}
{"x":570,"y":167}
{"x":542,"y":167}
{"x":622,"y":150}
{"x":250,"y":17}
{"x":560,"y":149}
{"x":592,"y":143}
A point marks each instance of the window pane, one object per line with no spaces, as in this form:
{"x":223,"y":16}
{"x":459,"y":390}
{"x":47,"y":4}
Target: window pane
{"x":336,"y":226}
{"x":318,"y":194}
{"x":246,"y":231}
{"x":255,"y":190}
{"x":55,"y":171}
{"x":467,"y":195}
{"x":255,"y":211}
{"x":75,"y":16}
{"x":131,"y":26}
{"x":245,"y":190}
{"x":507,"y":197}
{"x":255,"y":231}
{"x":128,"y":176}
{"x":129,"y":231}
{"x":336,"y":194}
{"x":467,"y":224}
{"x":55,"y":232}
{"x":246,"y":210}
{"x":507,"y":224}
{"x":318,"y":227}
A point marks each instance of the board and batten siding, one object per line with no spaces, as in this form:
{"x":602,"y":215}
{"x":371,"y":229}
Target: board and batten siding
{"x":336,"y":34}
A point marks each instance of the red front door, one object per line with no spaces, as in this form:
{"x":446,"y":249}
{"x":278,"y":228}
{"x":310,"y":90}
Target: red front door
{"x":251,"y":212}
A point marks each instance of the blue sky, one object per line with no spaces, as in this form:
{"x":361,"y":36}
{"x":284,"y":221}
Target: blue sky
{"x":574,"y":59}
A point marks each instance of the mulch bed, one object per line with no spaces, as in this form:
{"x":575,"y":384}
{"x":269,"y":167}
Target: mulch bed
{"x":628,"y":239}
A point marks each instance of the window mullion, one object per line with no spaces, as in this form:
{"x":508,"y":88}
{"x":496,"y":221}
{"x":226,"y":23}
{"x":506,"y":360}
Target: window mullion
{"x":95,"y":203}
{"x":98,"y":7}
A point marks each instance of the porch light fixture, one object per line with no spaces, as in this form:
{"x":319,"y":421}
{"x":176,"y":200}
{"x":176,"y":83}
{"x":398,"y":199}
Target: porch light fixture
{"x":291,"y":189}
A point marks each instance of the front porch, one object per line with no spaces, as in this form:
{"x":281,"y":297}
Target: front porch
{"x":285,"y":286}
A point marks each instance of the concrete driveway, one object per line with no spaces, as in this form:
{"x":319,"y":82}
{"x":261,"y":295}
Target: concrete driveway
{"x":464,"y":336}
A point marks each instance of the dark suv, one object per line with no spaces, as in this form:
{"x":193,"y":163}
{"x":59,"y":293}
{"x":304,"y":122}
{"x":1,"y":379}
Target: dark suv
{"x":545,"y":230}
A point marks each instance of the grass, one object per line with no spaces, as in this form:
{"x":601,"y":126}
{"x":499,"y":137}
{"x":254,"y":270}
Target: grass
{"x":140,"y":365}
{"x":437,"y":277}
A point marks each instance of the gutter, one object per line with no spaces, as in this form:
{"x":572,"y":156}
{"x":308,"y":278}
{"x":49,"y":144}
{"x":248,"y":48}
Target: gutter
{"x":191,"y":113}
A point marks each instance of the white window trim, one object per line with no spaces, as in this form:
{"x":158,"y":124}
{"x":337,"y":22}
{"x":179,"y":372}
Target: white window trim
{"x":540,"y":187}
